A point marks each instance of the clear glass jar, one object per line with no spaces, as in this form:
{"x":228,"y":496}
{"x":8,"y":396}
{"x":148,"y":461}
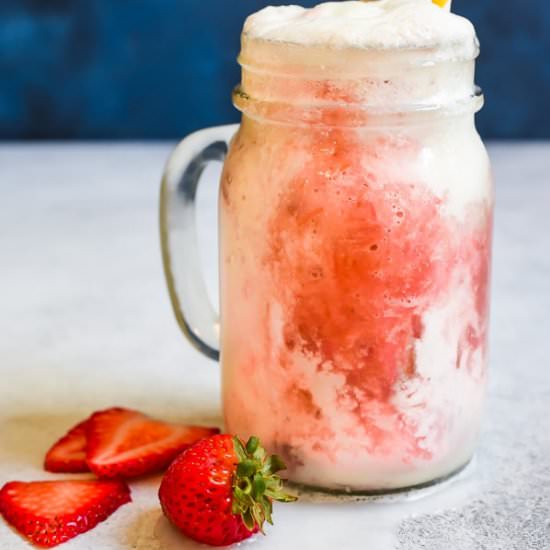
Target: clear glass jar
{"x":355,"y":232}
{"x":355,"y":246}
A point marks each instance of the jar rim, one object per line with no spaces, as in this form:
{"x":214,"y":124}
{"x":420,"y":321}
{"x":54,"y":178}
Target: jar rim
{"x":351,"y":115}
{"x":275,"y":57}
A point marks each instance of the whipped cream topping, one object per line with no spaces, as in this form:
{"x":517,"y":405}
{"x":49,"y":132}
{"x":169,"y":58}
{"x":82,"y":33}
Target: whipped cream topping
{"x":381,"y":24}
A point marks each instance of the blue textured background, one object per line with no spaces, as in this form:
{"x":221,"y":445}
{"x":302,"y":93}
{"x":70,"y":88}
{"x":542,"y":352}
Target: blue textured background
{"x":146,"y":69}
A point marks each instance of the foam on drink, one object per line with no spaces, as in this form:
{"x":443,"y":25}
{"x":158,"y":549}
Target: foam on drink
{"x":380,"y":24}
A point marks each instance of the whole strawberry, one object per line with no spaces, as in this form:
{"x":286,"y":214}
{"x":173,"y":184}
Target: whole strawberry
{"x":220,"y":492}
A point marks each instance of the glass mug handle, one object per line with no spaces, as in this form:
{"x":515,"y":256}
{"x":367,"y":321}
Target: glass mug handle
{"x":178,"y":235}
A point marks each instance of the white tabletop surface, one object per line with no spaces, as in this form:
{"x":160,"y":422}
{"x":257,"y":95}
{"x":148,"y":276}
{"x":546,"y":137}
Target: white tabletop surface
{"x":85,"y":323}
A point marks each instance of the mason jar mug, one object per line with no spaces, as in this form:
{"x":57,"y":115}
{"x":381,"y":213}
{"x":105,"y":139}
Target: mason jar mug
{"x":355,"y":222}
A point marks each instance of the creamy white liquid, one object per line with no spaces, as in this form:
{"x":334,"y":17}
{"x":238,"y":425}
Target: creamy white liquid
{"x":385,"y":24}
{"x":410,"y":65}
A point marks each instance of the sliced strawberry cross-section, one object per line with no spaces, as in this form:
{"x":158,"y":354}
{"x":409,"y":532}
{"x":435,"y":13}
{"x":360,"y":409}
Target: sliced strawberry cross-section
{"x":69,"y":453}
{"x":51,"y":512}
{"x":127,"y":443}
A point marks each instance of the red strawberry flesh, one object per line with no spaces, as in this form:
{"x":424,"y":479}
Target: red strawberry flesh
{"x":69,"y":453}
{"x":127,"y":443}
{"x":49,"y":513}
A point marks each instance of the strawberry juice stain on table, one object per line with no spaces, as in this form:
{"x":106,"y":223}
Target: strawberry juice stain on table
{"x":356,"y":219}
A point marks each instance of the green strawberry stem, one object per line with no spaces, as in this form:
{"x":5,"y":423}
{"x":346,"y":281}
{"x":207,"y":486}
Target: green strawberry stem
{"x":256,"y":484}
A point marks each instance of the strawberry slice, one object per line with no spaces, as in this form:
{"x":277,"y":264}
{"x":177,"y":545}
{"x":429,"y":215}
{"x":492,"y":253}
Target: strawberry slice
{"x":127,"y":443}
{"x":69,"y":453}
{"x":51,"y":512}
